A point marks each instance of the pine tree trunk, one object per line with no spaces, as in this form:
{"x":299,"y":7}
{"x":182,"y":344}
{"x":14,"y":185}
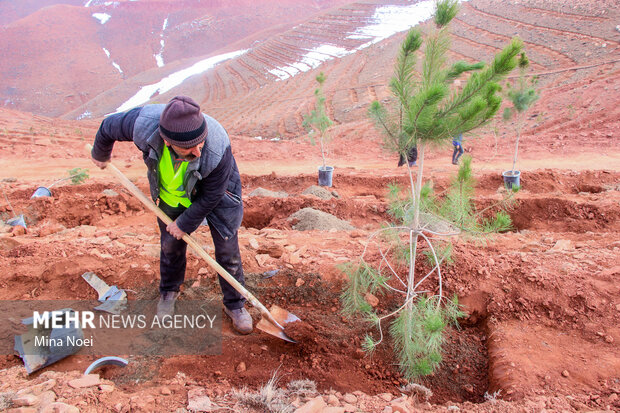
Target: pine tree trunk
{"x":323,"y":152}
{"x":413,"y":234}
{"x":519,"y":125}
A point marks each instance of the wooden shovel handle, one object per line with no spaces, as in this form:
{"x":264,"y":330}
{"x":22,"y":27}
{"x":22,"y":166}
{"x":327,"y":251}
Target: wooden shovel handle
{"x":191,"y":242}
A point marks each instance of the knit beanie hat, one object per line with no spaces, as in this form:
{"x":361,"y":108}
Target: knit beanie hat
{"x":182,"y":124}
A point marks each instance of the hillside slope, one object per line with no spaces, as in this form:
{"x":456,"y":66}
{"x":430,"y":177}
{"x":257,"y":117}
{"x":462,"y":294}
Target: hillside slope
{"x":61,"y":56}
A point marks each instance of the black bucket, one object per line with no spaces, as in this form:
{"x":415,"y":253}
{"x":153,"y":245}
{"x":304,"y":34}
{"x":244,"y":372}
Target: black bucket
{"x":41,"y":192}
{"x":325,"y":175}
{"x":512,"y":178}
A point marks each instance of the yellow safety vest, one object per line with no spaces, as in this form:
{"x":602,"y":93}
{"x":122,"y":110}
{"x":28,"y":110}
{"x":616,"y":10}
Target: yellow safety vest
{"x":171,"y":188}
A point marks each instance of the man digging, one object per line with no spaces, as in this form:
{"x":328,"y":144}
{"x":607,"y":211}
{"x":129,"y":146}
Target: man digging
{"x":192,"y":176}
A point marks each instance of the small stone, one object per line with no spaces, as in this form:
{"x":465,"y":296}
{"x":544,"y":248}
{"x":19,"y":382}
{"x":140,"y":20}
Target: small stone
{"x":333,"y":400}
{"x":386,"y":397}
{"x":299,"y":282}
{"x":24,"y":400}
{"x":253,"y":243}
{"x":197,"y":400}
{"x":315,"y":405}
{"x":349,"y":408}
{"x":106,"y":388}
{"x":203,"y":270}
{"x":294,"y":258}
{"x":359,"y":354}
{"x":333,"y":409}
{"x":110,"y":192}
{"x":241,"y":367}
{"x":59,"y":407}
{"x":609,"y":339}
{"x":261,"y":259}
{"x":51,"y":228}
{"x":21,"y":410}
{"x":272,"y":249}
{"x":349,"y":398}
{"x":565,"y":373}
{"x":400,"y":405}
{"x":165,"y":391}
{"x":562,"y":245}
{"x":39,"y":388}
{"x":18,"y":230}
{"x":371,"y":299}
{"x":85,"y":381}
{"x":46,"y":398}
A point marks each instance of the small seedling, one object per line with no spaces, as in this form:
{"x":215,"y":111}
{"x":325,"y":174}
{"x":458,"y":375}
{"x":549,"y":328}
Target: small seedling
{"x":317,"y":122}
{"x":78,"y":175}
{"x":522,"y":97}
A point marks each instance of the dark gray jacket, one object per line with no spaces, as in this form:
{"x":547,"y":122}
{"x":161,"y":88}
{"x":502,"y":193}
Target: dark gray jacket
{"x":212,"y":181}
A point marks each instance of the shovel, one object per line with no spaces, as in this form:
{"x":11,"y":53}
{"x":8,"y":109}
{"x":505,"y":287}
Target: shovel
{"x":271,"y":322}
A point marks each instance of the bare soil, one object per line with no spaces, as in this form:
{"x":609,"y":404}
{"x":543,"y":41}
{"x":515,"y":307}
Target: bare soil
{"x":543,"y":299}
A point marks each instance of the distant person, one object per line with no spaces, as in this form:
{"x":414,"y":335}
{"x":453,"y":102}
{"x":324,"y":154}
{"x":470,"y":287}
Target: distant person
{"x":192,"y":176}
{"x":457,"y":142}
{"x":412,"y":157}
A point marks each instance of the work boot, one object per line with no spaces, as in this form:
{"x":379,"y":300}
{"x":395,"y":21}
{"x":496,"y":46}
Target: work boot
{"x":241,"y":320}
{"x":165,"y":306}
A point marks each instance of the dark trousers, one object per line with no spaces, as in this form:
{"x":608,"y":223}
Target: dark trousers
{"x":458,"y":151}
{"x":173,"y":259}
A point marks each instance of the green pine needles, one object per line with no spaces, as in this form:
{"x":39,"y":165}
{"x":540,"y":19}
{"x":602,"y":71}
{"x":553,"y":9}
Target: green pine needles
{"x":317,"y":121}
{"x":426,"y":111}
{"x":78,"y":175}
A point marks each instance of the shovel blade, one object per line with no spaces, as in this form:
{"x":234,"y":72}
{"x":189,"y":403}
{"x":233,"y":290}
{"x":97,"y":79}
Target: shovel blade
{"x":282,"y":317}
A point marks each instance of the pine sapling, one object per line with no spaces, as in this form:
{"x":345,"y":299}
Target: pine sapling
{"x":425,"y":112}
{"x":317,"y":121}
{"x":76,"y":175}
{"x":522,"y":96}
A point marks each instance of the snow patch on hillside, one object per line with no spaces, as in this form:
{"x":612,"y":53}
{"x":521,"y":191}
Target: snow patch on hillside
{"x":389,"y":20}
{"x":102,"y":17}
{"x":310,"y":60}
{"x":385,"y":22}
{"x":175,"y":79}
{"x":85,"y":115}
{"x":159,"y":58}
{"x":107,"y":53}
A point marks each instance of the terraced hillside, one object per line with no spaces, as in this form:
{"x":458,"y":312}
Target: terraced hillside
{"x":564,"y":47}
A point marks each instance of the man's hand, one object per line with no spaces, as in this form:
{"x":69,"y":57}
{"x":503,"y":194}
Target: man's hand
{"x":100,"y":164}
{"x":174,"y":230}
